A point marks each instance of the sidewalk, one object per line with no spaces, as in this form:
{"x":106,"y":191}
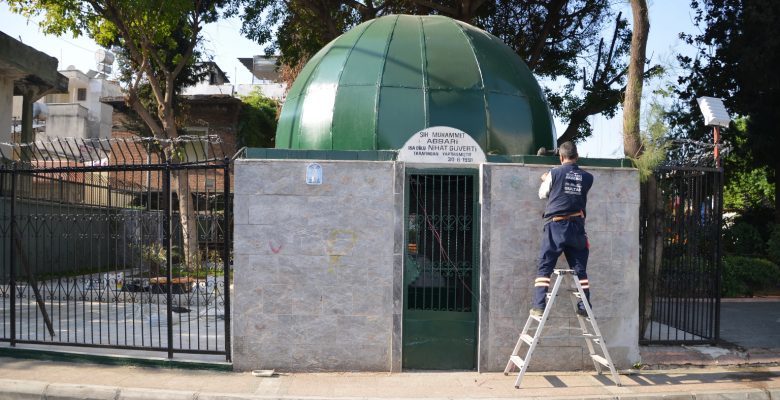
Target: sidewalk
{"x":33,"y":379}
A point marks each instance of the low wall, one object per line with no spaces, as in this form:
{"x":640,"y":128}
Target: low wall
{"x":318,"y":268}
{"x":511,"y":238}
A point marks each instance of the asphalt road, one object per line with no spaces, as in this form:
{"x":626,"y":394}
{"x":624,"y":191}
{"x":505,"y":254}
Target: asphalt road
{"x":751,"y":324}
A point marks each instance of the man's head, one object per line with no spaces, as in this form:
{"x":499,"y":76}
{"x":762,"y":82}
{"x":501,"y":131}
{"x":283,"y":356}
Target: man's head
{"x":568,"y":152}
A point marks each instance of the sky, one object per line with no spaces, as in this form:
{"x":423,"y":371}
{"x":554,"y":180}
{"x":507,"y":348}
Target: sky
{"x":223,"y":40}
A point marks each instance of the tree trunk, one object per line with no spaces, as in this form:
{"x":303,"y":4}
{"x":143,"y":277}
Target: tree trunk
{"x":636,"y":67}
{"x":180,"y":185}
{"x":187,"y":217}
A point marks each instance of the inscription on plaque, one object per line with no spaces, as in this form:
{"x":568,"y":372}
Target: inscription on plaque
{"x":441,"y":145}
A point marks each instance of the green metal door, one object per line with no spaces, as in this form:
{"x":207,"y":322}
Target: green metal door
{"x":441,"y":271}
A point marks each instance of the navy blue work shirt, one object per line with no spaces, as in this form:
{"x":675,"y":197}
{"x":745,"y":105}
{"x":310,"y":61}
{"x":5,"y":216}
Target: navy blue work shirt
{"x":568,"y":193}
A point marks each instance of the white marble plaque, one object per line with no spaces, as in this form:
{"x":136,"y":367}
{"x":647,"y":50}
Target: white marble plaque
{"x":441,"y":145}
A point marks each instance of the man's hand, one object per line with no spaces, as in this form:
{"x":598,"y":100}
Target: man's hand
{"x":546,"y":186}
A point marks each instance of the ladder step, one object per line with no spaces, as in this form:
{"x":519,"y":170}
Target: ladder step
{"x":527,"y":338}
{"x":595,"y":338}
{"x":535,"y":318}
{"x":599,"y":359}
{"x":517,"y":361}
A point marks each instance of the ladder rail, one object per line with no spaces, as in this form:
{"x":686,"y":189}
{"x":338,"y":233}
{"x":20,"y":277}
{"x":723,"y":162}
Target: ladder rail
{"x":575,"y":296}
{"x":595,"y":326}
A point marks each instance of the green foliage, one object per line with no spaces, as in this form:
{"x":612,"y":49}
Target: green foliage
{"x":257,"y":121}
{"x":747,"y":189}
{"x":746,"y":276}
{"x":654,"y":142}
{"x":743,"y":239}
{"x":773,"y":245}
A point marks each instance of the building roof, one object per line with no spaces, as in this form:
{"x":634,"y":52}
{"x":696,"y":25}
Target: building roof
{"x":262,"y":67}
{"x":29,"y":68}
{"x":375,"y":86}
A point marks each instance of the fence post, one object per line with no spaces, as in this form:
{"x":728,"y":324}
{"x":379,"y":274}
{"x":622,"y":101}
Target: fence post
{"x":719,"y":177}
{"x":12,"y":257}
{"x":168,"y":262}
{"x":227,"y":218}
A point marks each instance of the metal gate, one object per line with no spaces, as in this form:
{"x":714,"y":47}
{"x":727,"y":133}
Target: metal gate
{"x":441,"y":271}
{"x":681,"y":257}
{"x":96,"y":251}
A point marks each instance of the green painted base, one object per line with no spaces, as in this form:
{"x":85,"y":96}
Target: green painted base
{"x":45,"y":355}
{"x":439,"y":340}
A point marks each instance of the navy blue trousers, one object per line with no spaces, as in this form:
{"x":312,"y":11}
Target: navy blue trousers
{"x":567,"y":237}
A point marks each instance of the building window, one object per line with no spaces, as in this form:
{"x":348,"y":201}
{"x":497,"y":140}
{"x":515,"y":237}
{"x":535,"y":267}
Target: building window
{"x":81,"y":94}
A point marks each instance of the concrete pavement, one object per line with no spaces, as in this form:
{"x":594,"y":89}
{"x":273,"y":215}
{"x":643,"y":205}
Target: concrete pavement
{"x":33,"y":379}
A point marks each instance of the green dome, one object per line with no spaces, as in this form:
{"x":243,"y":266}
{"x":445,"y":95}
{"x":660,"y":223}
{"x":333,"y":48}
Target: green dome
{"x":378,"y":84}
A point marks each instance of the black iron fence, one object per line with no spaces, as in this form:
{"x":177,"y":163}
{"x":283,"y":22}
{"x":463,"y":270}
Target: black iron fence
{"x":116,"y":243}
{"x":681,"y":256}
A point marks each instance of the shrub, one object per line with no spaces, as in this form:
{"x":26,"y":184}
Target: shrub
{"x":773,"y":245}
{"x":746,"y":276}
{"x":743,"y":239}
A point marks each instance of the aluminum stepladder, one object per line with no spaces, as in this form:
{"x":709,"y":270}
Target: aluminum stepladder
{"x":591,"y":337}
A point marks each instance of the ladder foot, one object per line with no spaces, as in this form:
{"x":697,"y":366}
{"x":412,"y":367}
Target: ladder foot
{"x":506,"y":374}
{"x":517,"y":387}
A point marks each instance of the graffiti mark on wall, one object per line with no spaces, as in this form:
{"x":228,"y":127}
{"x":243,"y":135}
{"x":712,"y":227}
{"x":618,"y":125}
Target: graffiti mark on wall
{"x":275,"y":246}
{"x":340,"y":243}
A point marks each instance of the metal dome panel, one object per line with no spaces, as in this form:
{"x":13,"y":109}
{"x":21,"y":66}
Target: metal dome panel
{"x":378,"y":84}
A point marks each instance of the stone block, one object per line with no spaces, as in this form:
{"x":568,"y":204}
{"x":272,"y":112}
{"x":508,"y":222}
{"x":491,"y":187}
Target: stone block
{"x":277,"y":299}
{"x":336,"y":300}
{"x":156,"y":394}
{"x":625,"y":249}
{"x":740,"y":394}
{"x":309,"y":298}
{"x":596,"y":220}
{"x":397,"y":344}
{"x":22,"y":390}
{"x":623,"y":217}
{"x":372,"y":300}
{"x":657,"y":396}
{"x":66,"y":391}
{"x":256,"y":270}
{"x":558,"y":358}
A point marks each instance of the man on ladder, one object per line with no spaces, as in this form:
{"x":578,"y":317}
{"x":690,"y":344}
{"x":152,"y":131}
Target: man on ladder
{"x":567,"y":188}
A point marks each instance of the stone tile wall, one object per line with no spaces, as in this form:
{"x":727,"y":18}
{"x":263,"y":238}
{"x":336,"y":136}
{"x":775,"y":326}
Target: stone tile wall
{"x":316,"y":266}
{"x":318,"y":282}
{"x":512,"y":228}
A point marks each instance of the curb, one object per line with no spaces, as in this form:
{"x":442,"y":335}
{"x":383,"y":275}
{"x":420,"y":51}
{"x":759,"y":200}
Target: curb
{"x":34,"y":390}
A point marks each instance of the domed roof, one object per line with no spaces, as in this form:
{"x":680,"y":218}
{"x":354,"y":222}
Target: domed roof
{"x":378,"y":84}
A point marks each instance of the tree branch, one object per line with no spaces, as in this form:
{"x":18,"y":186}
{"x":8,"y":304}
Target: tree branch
{"x":439,"y":7}
{"x":553,"y":16}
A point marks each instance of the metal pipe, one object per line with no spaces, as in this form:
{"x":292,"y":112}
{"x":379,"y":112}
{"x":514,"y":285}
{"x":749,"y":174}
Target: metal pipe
{"x":168,"y":261}
{"x":12,"y":257}
{"x":227,"y":217}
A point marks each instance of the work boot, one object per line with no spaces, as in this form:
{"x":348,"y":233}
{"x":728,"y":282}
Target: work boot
{"x":537,"y":312}
{"x":582,"y":312}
